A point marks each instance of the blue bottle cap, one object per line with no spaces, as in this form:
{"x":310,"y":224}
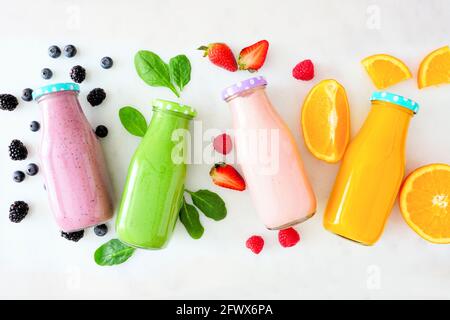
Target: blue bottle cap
{"x":395,"y":99}
{"x":69,"y":86}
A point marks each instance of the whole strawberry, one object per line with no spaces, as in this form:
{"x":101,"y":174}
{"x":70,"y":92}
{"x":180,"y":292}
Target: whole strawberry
{"x":304,"y":70}
{"x":288,"y":237}
{"x":255,"y":244}
{"x":224,"y":175}
{"x":220,"y":55}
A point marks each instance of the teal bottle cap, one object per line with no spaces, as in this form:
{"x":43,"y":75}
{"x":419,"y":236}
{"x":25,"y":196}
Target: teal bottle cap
{"x":70,"y":86}
{"x":174,"y":107}
{"x":395,"y":99}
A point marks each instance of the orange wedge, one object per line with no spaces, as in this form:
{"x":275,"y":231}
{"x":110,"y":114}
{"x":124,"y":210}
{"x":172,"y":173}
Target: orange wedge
{"x":385,"y":70}
{"x":435,"y":68}
{"x":425,"y":202}
{"x":326,"y":121}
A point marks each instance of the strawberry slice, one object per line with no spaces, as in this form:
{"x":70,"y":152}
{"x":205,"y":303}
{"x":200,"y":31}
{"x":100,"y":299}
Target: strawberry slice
{"x":220,"y":55}
{"x":253,"y":57}
{"x":224,"y":175}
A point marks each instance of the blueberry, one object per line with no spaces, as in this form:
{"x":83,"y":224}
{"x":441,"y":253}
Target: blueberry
{"x":27,"y":94}
{"x":70,"y":51}
{"x":101,"y":230}
{"x":54,"y":51}
{"x":34,"y":126}
{"x":18,"y":176}
{"x":106,"y":62}
{"x":101,"y":131}
{"x":46,"y":73}
{"x":32,"y":169}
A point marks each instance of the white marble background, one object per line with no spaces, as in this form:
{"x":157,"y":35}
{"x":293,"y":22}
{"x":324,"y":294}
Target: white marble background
{"x":35,"y":262}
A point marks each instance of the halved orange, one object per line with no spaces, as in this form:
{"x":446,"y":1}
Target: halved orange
{"x":385,"y":70}
{"x":326,"y":121}
{"x":435,"y":68}
{"x":425,"y":202}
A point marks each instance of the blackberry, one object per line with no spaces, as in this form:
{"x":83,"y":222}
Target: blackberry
{"x":101,"y":230}
{"x":78,"y":74}
{"x":54,"y":51}
{"x":101,"y":131}
{"x":8,"y":102}
{"x":106,"y":62}
{"x":96,"y":96}
{"x":35,"y":126}
{"x":27,"y":94}
{"x":32,"y":169}
{"x":70,"y":51}
{"x":73,"y":236}
{"x":17,"y":211}
{"x":18,"y":176}
{"x":17,"y":151}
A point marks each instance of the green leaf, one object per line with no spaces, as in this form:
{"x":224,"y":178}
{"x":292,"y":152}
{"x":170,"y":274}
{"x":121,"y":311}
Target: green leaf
{"x":189,"y":217}
{"x":113,"y":252}
{"x":180,"y":70}
{"x":153,"y":70}
{"x":133,"y":121}
{"x":210,"y":203}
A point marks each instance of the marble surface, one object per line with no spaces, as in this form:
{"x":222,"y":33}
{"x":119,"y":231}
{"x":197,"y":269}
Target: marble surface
{"x":35,"y":262}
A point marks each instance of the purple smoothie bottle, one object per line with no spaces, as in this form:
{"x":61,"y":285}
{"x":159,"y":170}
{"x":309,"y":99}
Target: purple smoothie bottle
{"x":72,"y":161}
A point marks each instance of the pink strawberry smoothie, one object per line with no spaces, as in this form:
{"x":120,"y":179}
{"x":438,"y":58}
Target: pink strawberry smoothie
{"x":271,"y":163}
{"x":76,"y":179}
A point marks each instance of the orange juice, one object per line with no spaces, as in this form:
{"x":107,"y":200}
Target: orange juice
{"x":371,"y":172}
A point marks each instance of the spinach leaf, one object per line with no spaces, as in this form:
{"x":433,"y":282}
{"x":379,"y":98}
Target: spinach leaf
{"x":210,"y":203}
{"x":113,"y":252}
{"x":153,"y":70}
{"x":133,"y":121}
{"x":180,"y":70}
{"x":189,"y":217}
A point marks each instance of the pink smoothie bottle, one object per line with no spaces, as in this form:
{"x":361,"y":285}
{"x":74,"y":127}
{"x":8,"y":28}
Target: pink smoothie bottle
{"x":269,"y":157}
{"x":72,"y":160}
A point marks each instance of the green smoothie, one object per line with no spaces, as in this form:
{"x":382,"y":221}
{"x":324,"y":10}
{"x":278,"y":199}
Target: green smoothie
{"x":155,"y":184}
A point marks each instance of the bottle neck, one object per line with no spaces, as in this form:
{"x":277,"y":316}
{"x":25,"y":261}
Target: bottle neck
{"x":387,"y":124}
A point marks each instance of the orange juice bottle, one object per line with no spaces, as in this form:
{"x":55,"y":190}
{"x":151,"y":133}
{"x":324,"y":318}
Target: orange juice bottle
{"x":371,"y":171}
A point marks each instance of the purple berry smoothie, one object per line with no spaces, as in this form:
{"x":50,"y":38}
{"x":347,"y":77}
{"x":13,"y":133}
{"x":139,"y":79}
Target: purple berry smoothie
{"x":72,"y":161}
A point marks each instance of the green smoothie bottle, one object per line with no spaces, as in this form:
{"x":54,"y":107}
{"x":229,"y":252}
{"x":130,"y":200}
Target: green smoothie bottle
{"x":155,"y":184}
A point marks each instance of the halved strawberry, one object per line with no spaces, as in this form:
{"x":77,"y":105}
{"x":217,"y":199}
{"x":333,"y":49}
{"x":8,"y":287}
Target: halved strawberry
{"x":252,"y":58}
{"x":220,"y":55}
{"x":224,"y":175}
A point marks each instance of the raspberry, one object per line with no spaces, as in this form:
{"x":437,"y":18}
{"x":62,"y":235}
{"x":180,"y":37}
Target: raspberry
{"x":288,"y":237}
{"x":255,"y":243}
{"x":222,"y":143}
{"x":304,"y":70}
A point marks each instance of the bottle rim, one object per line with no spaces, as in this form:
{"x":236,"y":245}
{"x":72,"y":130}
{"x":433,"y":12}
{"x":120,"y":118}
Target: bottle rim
{"x":395,"y":99}
{"x":174,"y":107}
{"x":55,"y":87}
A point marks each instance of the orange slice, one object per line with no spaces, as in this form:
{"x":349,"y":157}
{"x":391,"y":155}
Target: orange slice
{"x":425,"y":202}
{"x":435,"y":68}
{"x":385,"y":70}
{"x":326,"y":121}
